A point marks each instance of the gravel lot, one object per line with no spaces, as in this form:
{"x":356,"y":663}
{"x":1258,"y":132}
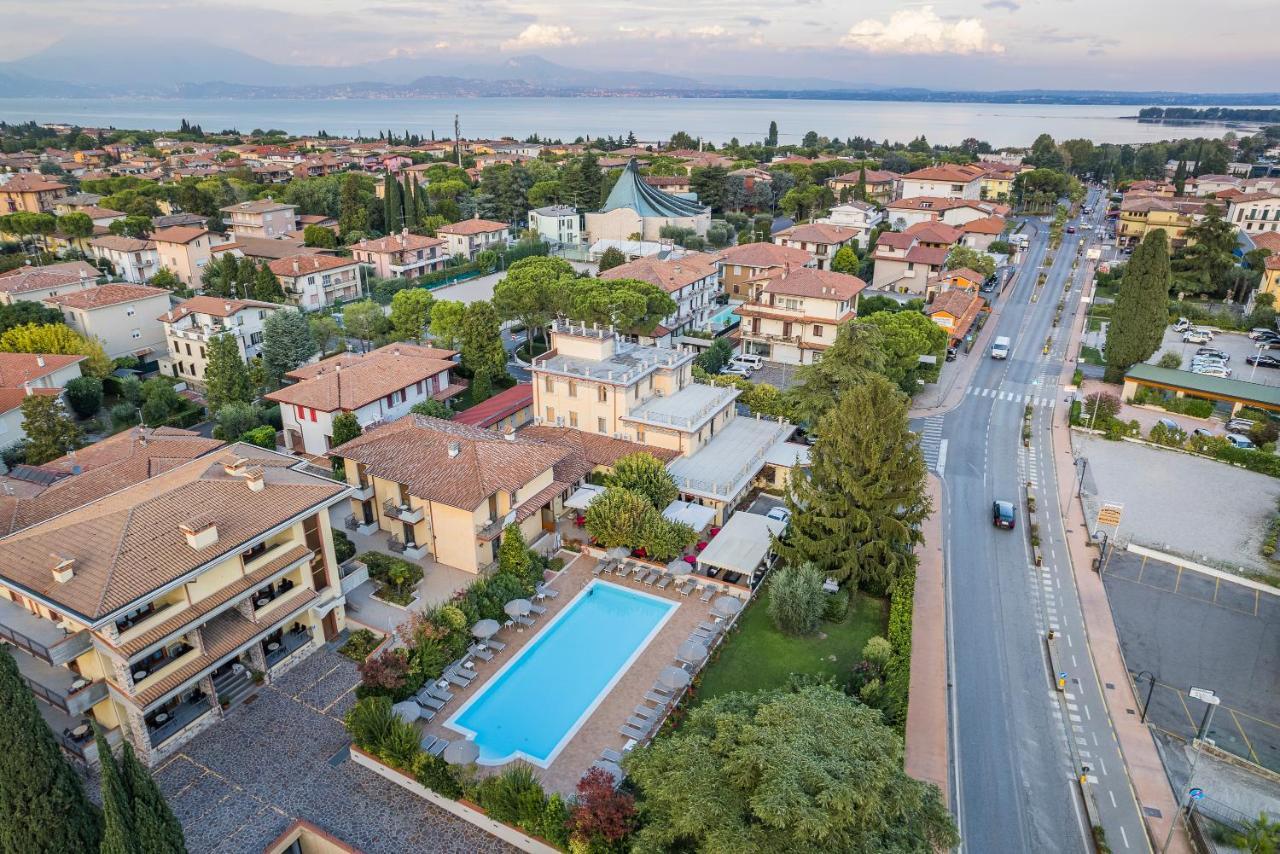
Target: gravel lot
{"x":1202,"y":509}
{"x":1234,"y":344}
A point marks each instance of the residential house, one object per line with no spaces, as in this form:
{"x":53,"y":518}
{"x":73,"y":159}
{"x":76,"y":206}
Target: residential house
{"x":269,"y":249}
{"x":168,"y":220}
{"x":23,"y":374}
{"x":881,"y":185}
{"x":508,"y":409}
{"x":124,"y":317}
{"x":742,"y":264}
{"x":447,"y":491}
{"x":794,"y":315}
{"x":862,"y":217}
{"x":146,"y":607}
{"x":189,"y":326}
{"x":949,"y":180}
{"x":186,"y":250}
{"x":30,"y":192}
{"x":1141,"y":213}
{"x":997,"y":182}
{"x":315,"y":281}
{"x":955,"y":312}
{"x":470,"y":237}
{"x":819,"y":239}
{"x":262,"y":218}
{"x":133,"y":259}
{"x":979,"y":234}
{"x":402,"y":255}
{"x":38,"y":283}
{"x":378,"y":386}
{"x":1255,"y":212}
{"x":75,"y":202}
{"x":963,"y":278}
{"x":692,"y":280}
{"x":935,"y":235}
{"x":906,"y":212}
{"x":675,"y":184}
{"x":905,"y":264}
{"x":1270,"y":283}
{"x":1208,"y":185}
{"x":557,"y":224}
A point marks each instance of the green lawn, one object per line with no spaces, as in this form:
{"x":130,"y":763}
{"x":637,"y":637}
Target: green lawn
{"x":1091,"y":356}
{"x":757,"y":655}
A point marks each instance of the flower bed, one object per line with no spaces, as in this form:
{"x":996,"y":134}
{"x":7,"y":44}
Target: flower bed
{"x":397,"y":577}
{"x":361,"y":644}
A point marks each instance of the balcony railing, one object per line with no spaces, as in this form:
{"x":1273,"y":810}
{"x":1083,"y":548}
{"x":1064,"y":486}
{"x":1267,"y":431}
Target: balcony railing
{"x":362,"y":491}
{"x":403,"y":512}
{"x":177,"y":719}
{"x":288,"y":643}
{"x":40,"y":637}
{"x":144,"y":672}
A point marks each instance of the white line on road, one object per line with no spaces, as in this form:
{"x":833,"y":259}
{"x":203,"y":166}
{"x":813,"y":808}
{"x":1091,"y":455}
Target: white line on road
{"x":1124,"y":836}
{"x":942,"y":457}
{"x":1086,"y":713}
{"x":1068,"y":640}
{"x":1073,"y":662}
{"x":1102,"y":765}
{"x":1113,"y":798}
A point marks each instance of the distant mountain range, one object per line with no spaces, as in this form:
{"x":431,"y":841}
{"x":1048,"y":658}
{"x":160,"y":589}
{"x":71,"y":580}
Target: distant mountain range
{"x":82,"y":67}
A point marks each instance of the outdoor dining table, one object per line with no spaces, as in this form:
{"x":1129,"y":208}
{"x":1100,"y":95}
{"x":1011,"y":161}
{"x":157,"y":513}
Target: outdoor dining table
{"x":273,"y":646}
{"x":162,"y":717}
{"x":139,"y":675}
{"x":80,"y":731}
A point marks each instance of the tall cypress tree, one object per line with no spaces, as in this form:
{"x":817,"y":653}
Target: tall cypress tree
{"x":118,"y":833}
{"x":1142,"y":307}
{"x":42,"y":807}
{"x":388,"y":203}
{"x":158,"y":830}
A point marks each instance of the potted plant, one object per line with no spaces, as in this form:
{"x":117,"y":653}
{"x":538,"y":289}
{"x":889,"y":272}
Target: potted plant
{"x":224,"y":701}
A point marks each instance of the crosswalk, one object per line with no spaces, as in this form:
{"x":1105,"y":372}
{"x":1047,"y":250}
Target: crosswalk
{"x":931,"y":443}
{"x":1044,"y":401}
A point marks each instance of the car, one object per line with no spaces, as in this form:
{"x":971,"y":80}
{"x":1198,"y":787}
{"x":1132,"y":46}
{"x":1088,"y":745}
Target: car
{"x":1262,"y":332}
{"x":1241,"y":425}
{"x":1182,"y":325}
{"x":1002,"y":514}
{"x":750,"y":361}
{"x":951,"y":353}
{"x":1168,"y":424}
{"x":1193,"y":337}
{"x":1209,"y":363}
{"x":780,"y":514}
{"x":1244,"y":443}
{"x":1203,"y":431}
{"x":1213,"y":351}
{"x":1209,"y":357}
{"x":1263,"y":361}
{"x":1210,"y":371}
{"x":736,"y":371}
{"x":1203,"y":330}
{"x":1071,"y":229}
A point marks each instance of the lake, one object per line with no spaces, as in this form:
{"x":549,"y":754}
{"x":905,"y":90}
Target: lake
{"x":650,"y":118}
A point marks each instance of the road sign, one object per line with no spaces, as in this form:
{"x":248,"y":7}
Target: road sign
{"x":1109,"y":515}
{"x":1205,"y":695}
{"x":1196,"y":794}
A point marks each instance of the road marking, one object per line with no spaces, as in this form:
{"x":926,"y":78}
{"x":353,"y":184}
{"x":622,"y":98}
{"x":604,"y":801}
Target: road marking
{"x":1113,"y":800}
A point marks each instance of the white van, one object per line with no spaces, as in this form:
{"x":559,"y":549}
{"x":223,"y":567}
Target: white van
{"x":750,"y":361}
{"x":1000,"y":348}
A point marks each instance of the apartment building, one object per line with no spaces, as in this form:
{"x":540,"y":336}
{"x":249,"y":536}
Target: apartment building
{"x":402,"y":255}
{"x":906,"y":212}
{"x":446,"y":491}
{"x":904,"y":263}
{"x":693,"y":281}
{"x":37,"y":283}
{"x":144,"y":609}
{"x":470,"y":237}
{"x":23,"y":374}
{"x":30,"y":192}
{"x":1142,"y":213}
{"x":315,"y":281}
{"x":557,"y":224}
{"x":133,"y":259}
{"x":190,"y":325}
{"x":263,"y":218}
{"x":378,"y":386}
{"x":125,"y":318}
{"x":862,"y":217}
{"x":1255,"y":212}
{"x":949,"y":180}
{"x":185,"y":251}
{"x":793,"y":315}
{"x":747,"y":262}
{"x":881,"y":185}
{"x":818,"y":239}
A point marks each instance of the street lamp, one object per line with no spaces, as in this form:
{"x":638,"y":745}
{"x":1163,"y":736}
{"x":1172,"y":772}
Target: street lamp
{"x":1082,"y":463}
{"x":1211,"y":701}
{"x":1150,"y":690}
{"x":1257,"y":356}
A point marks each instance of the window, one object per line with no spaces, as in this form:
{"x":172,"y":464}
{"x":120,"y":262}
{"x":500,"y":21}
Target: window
{"x":136,"y":334}
{"x":255,"y":338}
{"x":573,"y":419}
{"x":603,"y":394}
{"x":551,"y":415}
{"x":573,"y":389}
{"x":189,"y":350}
{"x":177,"y":348}
{"x":548,"y":384}
{"x":130,"y":311}
{"x":600,"y":426}
{"x":300,"y":412}
{"x":639,"y":434}
{"x":817,"y":330}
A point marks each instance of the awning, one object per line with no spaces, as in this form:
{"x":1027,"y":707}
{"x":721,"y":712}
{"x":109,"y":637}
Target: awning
{"x":582,"y":496}
{"x":742,"y":544}
{"x":694,"y":515}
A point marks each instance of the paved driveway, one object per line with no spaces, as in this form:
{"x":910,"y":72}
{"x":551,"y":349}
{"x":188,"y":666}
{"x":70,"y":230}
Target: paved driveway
{"x":282,"y":756}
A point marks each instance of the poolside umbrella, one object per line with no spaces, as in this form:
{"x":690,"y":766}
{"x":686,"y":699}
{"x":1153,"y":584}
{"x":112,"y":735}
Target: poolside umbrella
{"x":462,"y":752}
{"x":485,"y":629}
{"x":678,"y":566}
{"x":726,"y":606}
{"x":407,"y":711}
{"x":517,"y":608}
{"x":613,"y":769}
{"x":673,"y":678}
{"x":618,"y":553}
{"x":692,"y":652}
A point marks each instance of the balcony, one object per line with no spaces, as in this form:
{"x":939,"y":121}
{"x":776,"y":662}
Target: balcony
{"x":164,"y":725}
{"x":277,"y":649}
{"x":58,"y":685}
{"x":363,"y":491}
{"x":40,"y":637}
{"x":266,"y":597}
{"x":75,"y":733}
{"x":143,"y":622}
{"x":148,"y":673}
{"x":403,"y":512}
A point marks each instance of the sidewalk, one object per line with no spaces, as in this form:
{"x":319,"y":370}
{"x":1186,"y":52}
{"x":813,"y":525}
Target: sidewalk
{"x":927,"y":728}
{"x":1146,"y":772}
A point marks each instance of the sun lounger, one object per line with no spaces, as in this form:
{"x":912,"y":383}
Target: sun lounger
{"x":632,"y":732}
{"x":457,"y":680}
{"x":710,"y":627}
{"x":662,"y":692}
{"x":438,"y":748}
{"x":495,"y":644}
{"x":524,"y":621}
{"x":645,"y":712}
{"x":656,"y":698}
{"x":688,"y":587}
{"x":708,"y":592}
{"x":480,"y":652}
{"x":537,"y":609}
{"x":549,"y":592}
{"x":623,"y":570}
{"x":428,"y":741}
{"x":701,"y":635}
{"x":599,"y":568}
{"x":429,"y":702}
{"x":650,"y":577}
{"x":664,"y":582}
{"x":642,"y":724}
{"x":434,"y":690}
{"x":424,"y":713}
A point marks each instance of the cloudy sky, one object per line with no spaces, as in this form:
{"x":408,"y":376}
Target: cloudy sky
{"x":1224,"y":45}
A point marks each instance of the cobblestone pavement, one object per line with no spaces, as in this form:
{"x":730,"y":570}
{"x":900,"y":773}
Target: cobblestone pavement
{"x":282,"y":756}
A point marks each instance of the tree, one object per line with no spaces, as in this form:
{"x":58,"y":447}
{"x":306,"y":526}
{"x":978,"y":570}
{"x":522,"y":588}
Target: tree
{"x":319,"y":236}
{"x":353,"y":216}
{"x":24,"y":312}
{"x":446,"y":323}
{"x":714,"y":358}
{"x":1205,"y":265}
{"x":345,"y":428}
{"x":411,"y":313}
{"x":963,"y":256}
{"x":365,"y":321}
{"x":42,"y":807}
{"x":796,"y":599}
{"x":856,"y":516}
{"x":1259,"y":837}
{"x":76,"y":225}
{"x":532,"y":290}
{"x":266,"y":287}
{"x":226,"y":378}
{"x":1142,"y":307}
{"x":84,"y":394}
{"x":325,"y":332}
{"x":433,"y":409}
{"x":235,"y":419}
{"x":1169,"y":359}
{"x":905,"y":337}
{"x":644,"y":473}
{"x":483,"y":355}
{"x":158,"y":829}
{"x":616,"y":516}
{"x":118,"y":833}
{"x":628,"y":304}
{"x":845,"y":261}
{"x":287,"y":343}
{"x":131,"y":226}
{"x":159,"y":402}
{"x":813,"y":770}
{"x":602,"y":816}
{"x":167,"y":279}
{"x":513,"y":552}
{"x":1180,"y":177}
{"x":855,"y":354}
{"x":50,"y":431}
{"x":771,"y":138}
{"x":57,"y":339}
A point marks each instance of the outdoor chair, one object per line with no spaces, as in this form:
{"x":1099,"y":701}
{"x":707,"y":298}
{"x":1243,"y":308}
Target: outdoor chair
{"x":480,"y":652}
{"x":434,"y":690}
{"x":599,"y":568}
{"x":537,"y":609}
{"x":645,"y":712}
{"x":711,"y":627}
{"x":438,"y":748}
{"x":708,"y":593}
{"x":523,"y":621}
{"x":632,"y":732}
{"x":624,"y":570}
{"x":428,"y":741}
{"x":688,"y":587}
{"x":429,"y":702}
{"x":495,"y":644}
{"x":549,"y":592}
{"x":664,"y":582}
{"x":656,"y":698}
{"x":642,"y":724}
{"x":611,"y":755}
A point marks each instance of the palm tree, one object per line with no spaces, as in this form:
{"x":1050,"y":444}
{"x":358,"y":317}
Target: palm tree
{"x":1260,"y":837}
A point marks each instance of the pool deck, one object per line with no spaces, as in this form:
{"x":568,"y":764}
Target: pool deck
{"x":600,"y":730}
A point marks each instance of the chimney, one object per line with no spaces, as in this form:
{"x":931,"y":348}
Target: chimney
{"x":227,"y":307}
{"x":235,"y":467}
{"x":454,"y":449}
{"x":509,"y":434}
{"x":255,"y":478}
{"x":64,"y":568}
{"x":26,"y":387}
{"x":40,"y":361}
{"x":201,"y":532}
{"x":296,"y":268}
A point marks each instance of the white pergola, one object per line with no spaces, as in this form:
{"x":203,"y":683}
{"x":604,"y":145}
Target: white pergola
{"x":694,"y":515}
{"x":742,"y":545}
{"x":583,"y":495}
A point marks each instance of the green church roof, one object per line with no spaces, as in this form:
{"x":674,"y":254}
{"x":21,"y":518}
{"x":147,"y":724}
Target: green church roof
{"x":632,"y":192}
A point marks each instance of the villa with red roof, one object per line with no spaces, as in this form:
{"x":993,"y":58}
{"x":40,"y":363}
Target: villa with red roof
{"x":124,"y":317}
{"x":402,"y":255}
{"x":793,"y":315}
{"x":23,"y":374}
{"x":473,"y":236}
{"x":904,"y":263}
{"x":316,"y":281}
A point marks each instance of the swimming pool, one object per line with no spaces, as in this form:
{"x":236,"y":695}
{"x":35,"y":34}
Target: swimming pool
{"x":533,"y":705}
{"x":724,"y":317}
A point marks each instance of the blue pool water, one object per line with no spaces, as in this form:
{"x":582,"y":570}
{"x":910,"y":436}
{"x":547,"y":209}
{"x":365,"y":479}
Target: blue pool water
{"x":537,"y":701}
{"x":723,"y":317}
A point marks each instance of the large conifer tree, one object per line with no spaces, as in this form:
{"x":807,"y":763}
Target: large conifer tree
{"x":118,"y":834}
{"x":158,"y":830}
{"x":1142,"y":307}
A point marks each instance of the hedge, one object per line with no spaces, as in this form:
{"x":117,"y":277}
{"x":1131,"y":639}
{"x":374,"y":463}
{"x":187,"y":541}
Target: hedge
{"x":1197,"y":407}
{"x":897,"y":673}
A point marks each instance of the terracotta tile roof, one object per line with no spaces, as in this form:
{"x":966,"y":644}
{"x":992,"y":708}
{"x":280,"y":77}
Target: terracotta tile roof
{"x":814,"y":284}
{"x":94,"y":212}
{"x":120,"y":243}
{"x":304,"y":265}
{"x":959,"y":174}
{"x":348,"y":358}
{"x":353,"y":383}
{"x":27,"y":279}
{"x":961,"y":305}
{"x":143,"y":441}
{"x":259,"y":206}
{"x":212,"y":306}
{"x":1268,"y":240}
{"x":765,"y":255}
{"x":17,"y":368}
{"x":104,"y":295}
{"x":398,"y":243}
{"x":927,"y":203}
{"x":472,"y":226}
{"x":934,"y":232}
{"x":1272,"y":262}
{"x":895,"y":240}
{"x":588,"y":450}
{"x":818,"y":232}
{"x":670,"y":275}
{"x":925,"y":255}
{"x":964,"y":273}
{"x":128,"y":544}
{"x":498,"y":407}
{"x":30,"y":182}
{"x":11,"y":398}
{"x":1256,"y":196}
{"x":986,"y":225}
{"x":874,"y":176}
{"x":178,"y":234}
{"x":416,"y":451}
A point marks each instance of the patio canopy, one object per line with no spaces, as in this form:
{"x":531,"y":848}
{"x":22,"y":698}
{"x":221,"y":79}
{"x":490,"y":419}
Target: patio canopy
{"x":583,"y":495}
{"x":484,"y":629}
{"x":517,"y":607}
{"x":742,"y":544}
{"x":461,"y":752}
{"x":408,"y":711}
{"x":673,"y":678}
{"x":694,"y":515}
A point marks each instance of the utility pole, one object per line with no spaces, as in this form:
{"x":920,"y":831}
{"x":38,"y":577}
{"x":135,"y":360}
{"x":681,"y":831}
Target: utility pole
{"x":457,"y":139}
{"x":1211,"y":700}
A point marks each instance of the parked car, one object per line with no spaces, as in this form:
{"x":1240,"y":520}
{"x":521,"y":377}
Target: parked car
{"x":1193,"y":337}
{"x":1203,"y":431}
{"x":1263,"y":361}
{"x":1212,"y":371}
{"x":749,"y":361}
{"x":1241,"y":442}
{"x":1212,"y":351}
{"x":781,"y":514}
{"x":1182,"y":325}
{"x":1241,"y":425}
{"x":732,"y":370}
{"x":1262,"y":332}
{"x":1002,"y":514}
{"x":1169,"y":424}
{"x":951,"y":353}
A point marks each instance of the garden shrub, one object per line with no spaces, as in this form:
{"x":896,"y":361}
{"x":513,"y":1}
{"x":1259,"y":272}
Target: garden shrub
{"x":370,"y":722}
{"x":436,"y":774}
{"x":400,"y":746}
{"x":1162,"y":435}
{"x":343,"y":549}
{"x":797,"y":600}
{"x":897,"y":672}
{"x":263,"y":437}
{"x":837,"y":607}
{"x":515,"y":796}
{"x":359,"y":644}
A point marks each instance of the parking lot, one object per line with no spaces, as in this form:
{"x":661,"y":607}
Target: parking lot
{"x":1234,"y":344}
{"x":1183,"y":628}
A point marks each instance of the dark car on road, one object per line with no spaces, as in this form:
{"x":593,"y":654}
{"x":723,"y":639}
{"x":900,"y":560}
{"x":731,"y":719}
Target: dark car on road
{"x":1263,"y":361}
{"x":1002,"y":514}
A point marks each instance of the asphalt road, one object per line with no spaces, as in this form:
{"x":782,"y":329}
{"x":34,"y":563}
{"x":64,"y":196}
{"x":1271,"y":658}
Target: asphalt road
{"x":1017,"y":744}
